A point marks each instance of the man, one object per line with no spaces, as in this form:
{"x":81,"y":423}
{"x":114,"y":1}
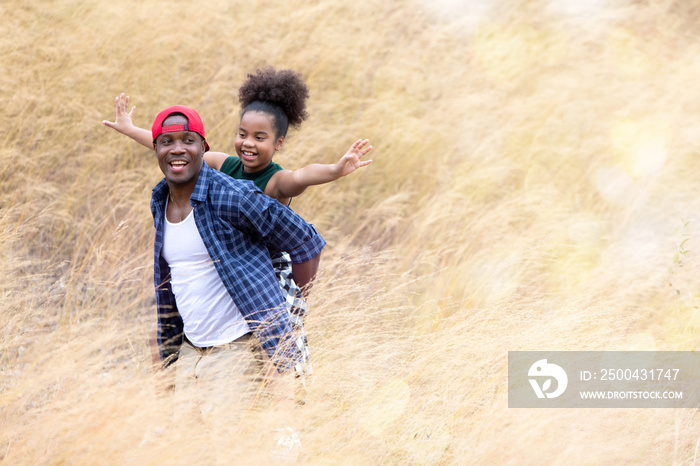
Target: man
{"x":218,"y":299}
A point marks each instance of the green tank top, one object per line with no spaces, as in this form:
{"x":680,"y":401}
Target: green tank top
{"x":233,"y":167}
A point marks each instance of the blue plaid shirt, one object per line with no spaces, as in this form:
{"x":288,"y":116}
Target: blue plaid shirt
{"x":237,"y":223}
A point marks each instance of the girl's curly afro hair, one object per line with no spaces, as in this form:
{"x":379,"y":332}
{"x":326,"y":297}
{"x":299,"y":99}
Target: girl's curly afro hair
{"x":279,"y":93}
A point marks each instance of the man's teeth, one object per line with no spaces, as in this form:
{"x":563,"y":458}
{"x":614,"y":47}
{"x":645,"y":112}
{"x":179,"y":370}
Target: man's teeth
{"x":178,"y":163}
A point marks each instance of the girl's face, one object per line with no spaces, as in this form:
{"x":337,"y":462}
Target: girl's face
{"x":256,"y":142}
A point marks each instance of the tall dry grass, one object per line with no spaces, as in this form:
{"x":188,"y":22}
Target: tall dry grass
{"x":533,"y":161}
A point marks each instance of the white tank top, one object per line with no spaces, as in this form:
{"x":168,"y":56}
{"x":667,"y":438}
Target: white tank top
{"x":209,"y":314}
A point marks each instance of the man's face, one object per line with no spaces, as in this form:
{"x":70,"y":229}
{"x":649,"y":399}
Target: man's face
{"x":179,"y":153}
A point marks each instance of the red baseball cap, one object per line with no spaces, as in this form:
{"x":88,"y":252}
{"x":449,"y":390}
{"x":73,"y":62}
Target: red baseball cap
{"x":194,"y":123}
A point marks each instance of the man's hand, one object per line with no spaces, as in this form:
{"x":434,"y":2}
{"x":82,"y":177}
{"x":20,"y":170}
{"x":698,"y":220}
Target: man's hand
{"x":153,"y":347}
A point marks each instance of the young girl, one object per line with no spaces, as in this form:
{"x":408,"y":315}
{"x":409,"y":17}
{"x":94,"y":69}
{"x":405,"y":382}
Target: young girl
{"x":271,"y":100}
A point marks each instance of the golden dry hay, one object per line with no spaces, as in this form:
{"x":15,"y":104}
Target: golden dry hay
{"x":535,"y":168}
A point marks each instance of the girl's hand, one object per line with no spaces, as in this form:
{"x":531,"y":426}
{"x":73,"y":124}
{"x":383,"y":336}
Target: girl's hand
{"x":352,"y":160}
{"x":123,"y":122}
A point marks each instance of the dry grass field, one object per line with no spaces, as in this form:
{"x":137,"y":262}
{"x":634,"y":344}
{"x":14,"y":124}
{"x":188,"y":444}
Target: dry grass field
{"x":536,"y":168}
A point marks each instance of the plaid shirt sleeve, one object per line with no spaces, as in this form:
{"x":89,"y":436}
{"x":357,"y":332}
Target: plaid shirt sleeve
{"x":170,"y":325}
{"x":280,"y":227}
{"x":238,"y":223}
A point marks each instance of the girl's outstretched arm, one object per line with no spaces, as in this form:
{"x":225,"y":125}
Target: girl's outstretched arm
{"x":215,"y":159}
{"x":286,"y":183}
{"x":124,"y":124}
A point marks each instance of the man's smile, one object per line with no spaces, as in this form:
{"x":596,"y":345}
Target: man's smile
{"x":178,"y":165}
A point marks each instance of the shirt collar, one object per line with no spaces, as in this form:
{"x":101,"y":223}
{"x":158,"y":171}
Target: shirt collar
{"x":200,"y":189}
{"x":199,"y":194}
{"x":160,"y":191}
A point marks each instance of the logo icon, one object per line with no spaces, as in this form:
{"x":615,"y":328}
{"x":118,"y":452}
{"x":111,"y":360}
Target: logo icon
{"x":543,"y":369}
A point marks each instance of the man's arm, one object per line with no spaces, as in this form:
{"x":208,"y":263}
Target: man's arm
{"x":305,"y":273}
{"x":287,"y":183}
{"x":277,"y":226}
